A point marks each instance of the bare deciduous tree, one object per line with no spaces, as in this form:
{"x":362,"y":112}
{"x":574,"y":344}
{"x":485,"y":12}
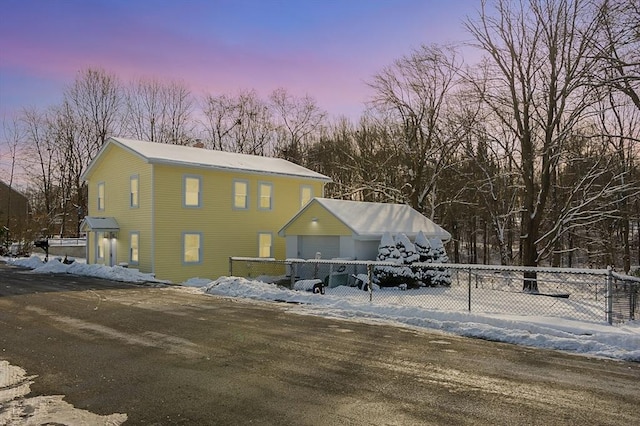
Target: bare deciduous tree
{"x":159,"y":112}
{"x":413,"y":94}
{"x":40,"y":166}
{"x":297,"y":120}
{"x":238,"y":124}
{"x":540,"y":61}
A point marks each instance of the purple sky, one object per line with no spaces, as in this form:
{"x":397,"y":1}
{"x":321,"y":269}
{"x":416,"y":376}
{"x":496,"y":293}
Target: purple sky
{"x":325,"y":48}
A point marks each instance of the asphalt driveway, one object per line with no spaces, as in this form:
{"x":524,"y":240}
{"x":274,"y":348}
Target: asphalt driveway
{"x":165,"y":355}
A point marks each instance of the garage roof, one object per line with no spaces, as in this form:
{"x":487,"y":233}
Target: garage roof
{"x":371,"y":220}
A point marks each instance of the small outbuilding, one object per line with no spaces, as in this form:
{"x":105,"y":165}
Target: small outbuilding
{"x":331,"y":228}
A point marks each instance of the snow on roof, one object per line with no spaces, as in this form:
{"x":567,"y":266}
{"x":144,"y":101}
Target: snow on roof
{"x":199,"y":157}
{"x":368,"y":220}
{"x":99,"y":224}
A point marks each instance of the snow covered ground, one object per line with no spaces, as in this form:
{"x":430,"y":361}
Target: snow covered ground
{"x":594,"y":338}
{"x":15,"y":408}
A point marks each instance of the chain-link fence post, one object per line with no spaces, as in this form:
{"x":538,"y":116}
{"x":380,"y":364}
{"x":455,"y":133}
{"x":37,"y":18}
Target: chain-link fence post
{"x":370,"y":280}
{"x":469,"y":291}
{"x":633,"y":300}
{"x":609,"y":295}
{"x":292,"y":272}
{"x":230,"y":266}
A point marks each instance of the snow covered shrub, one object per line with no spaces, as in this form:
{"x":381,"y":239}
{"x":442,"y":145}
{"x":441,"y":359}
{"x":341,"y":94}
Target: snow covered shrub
{"x":401,"y":252}
{"x":441,"y":276}
{"x":426,"y":255}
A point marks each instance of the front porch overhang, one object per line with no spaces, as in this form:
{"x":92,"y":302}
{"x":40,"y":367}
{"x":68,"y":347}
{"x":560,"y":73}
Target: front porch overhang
{"x":99,"y":224}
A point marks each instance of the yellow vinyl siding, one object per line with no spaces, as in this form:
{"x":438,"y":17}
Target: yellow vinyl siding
{"x":161,"y":219}
{"x":226,"y":231}
{"x":326,"y":223}
{"x":115,"y":169}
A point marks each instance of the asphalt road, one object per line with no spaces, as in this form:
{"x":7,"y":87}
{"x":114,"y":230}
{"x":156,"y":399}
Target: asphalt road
{"x":163,"y":355}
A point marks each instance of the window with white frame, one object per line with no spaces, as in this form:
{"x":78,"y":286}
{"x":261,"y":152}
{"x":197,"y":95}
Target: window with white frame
{"x":134,"y":243}
{"x":265,"y":196}
{"x":192,"y":189}
{"x":306,"y":194}
{"x":191,"y":247}
{"x":240,"y":194}
{"x":265,"y":244}
{"x":134,"y":186}
{"x":101,"y":196}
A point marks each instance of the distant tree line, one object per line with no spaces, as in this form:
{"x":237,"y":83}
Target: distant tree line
{"x":530,"y":156}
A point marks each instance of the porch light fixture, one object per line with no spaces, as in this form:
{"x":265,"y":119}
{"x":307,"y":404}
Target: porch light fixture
{"x":314,"y":219}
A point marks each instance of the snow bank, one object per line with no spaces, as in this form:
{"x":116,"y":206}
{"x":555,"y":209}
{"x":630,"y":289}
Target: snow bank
{"x":41,"y":410}
{"x":55,"y":266}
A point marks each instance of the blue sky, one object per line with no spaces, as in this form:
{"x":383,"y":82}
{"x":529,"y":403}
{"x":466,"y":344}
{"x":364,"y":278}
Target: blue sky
{"x":328,"y":49}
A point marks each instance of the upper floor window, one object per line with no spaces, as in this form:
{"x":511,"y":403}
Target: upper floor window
{"x":240,"y":194}
{"x":306,"y":194}
{"x":191,"y":247}
{"x":265,"y":196}
{"x":101,"y":196}
{"x":134,"y":185}
{"x":192,"y":190}
{"x":265,"y":244}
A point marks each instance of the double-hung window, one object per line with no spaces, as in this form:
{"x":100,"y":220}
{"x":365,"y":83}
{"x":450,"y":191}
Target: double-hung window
{"x":101,"y":196}
{"x":265,"y":243}
{"x":192,"y":189}
{"x":265,"y":196}
{"x":240,"y":194}
{"x":191,"y":247}
{"x":134,"y":190}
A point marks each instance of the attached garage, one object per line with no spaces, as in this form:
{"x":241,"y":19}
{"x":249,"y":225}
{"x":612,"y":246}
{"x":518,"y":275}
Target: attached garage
{"x":351,"y":229}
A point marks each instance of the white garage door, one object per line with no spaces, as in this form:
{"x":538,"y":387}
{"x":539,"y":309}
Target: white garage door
{"x":308,"y":246}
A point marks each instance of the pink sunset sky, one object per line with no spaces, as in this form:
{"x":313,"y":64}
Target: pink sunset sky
{"x":327,"y":49}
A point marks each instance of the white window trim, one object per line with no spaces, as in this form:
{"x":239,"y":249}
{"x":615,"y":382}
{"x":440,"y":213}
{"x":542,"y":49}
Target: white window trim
{"x":246,"y":197}
{"x":184,"y":191}
{"x":137,"y":179}
{"x":270,"y":234}
{"x":182,"y":253}
{"x":101,"y":205}
{"x":131,"y":261}
{"x":260,"y":185}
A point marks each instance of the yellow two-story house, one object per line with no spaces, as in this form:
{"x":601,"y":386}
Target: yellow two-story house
{"x":179,"y":212}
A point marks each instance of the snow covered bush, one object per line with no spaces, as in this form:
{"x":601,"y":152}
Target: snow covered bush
{"x":440,"y":276}
{"x":426,"y":255}
{"x":401,"y":252}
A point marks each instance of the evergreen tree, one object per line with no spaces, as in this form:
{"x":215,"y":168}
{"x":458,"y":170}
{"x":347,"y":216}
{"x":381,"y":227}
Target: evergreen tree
{"x":442,"y":276}
{"x":401,"y":252}
{"x":425,"y":253}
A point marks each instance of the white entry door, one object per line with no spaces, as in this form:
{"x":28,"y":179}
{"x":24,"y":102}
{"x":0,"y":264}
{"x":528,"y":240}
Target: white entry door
{"x":113,"y":243}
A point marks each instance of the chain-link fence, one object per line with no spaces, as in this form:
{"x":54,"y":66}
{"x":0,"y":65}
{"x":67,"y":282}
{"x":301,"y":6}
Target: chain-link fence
{"x":625,"y":300}
{"x":580,"y":294}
